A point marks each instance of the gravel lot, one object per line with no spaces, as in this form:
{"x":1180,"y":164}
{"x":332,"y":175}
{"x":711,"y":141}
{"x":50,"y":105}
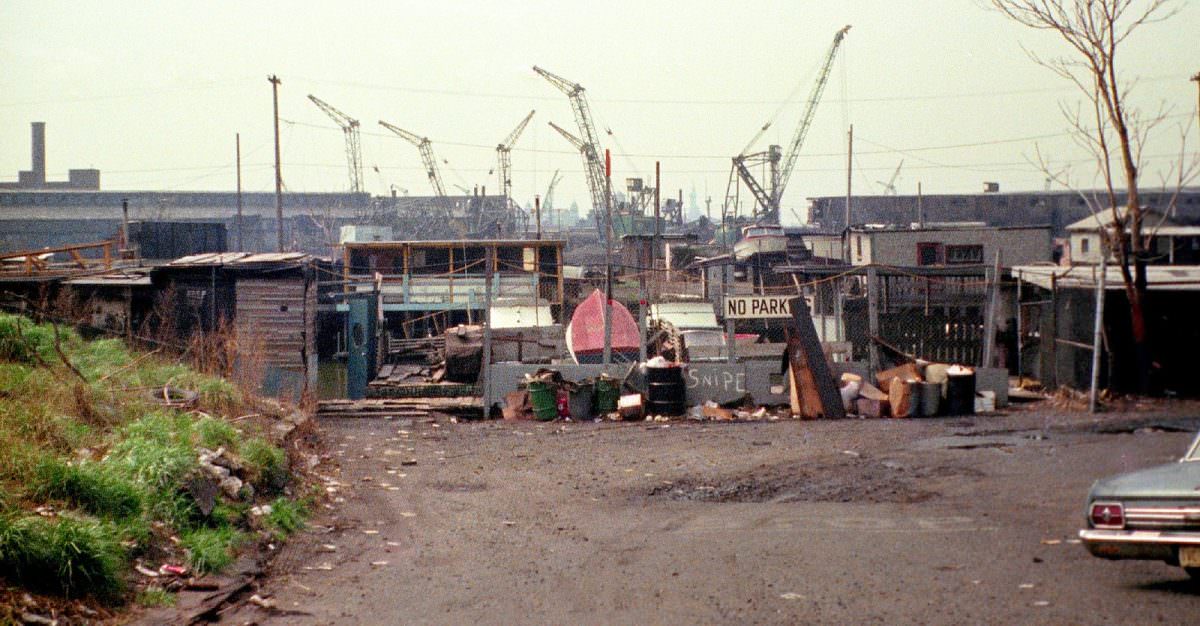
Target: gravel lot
{"x":880,"y":521}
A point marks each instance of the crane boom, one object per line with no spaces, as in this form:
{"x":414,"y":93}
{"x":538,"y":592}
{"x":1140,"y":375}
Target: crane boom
{"x":575,"y":141}
{"x":503,"y":158}
{"x":593,"y":162}
{"x":425,"y":147}
{"x":349,"y":128}
{"x":549,"y":203}
{"x":802,"y":130}
{"x":581,"y":147}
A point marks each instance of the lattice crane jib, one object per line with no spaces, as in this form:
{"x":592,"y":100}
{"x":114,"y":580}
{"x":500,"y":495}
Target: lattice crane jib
{"x":591,"y":150}
{"x":425,"y":148}
{"x":767,"y":201}
{"x":503,"y":156}
{"x":814,"y":97}
{"x":350,"y":128}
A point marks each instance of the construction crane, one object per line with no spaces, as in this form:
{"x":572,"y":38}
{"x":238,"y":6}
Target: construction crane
{"x":349,"y":127}
{"x":767,"y":199}
{"x":589,"y":143}
{"x":582,"y":148}
{"x":548,"y":202}
{"x":503,"y":160}
{"x":426,"y":148}
{"x":889,"y":188}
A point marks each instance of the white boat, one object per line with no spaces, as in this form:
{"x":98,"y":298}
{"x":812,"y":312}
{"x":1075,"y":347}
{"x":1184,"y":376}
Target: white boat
{"x":760,"y":239}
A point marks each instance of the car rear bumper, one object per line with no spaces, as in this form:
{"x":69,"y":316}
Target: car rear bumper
{"x":1137,"y":544}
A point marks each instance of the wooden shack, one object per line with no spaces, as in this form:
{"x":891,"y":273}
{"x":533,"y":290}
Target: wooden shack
{"x":268,"y":304}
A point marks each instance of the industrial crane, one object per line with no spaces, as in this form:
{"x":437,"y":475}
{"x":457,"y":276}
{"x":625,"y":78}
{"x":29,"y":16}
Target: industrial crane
{"x":502,"y":157}
{"x":548,"y":203}
{"x":589,"y":144}
{"x":889,"y":188}
{"x":349,"y":127}
{"x":767,"y":200}
{"x":582,"y":148}
{"x":426,"y":148}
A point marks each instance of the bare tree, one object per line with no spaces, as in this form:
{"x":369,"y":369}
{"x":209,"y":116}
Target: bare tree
{"x":1109,"y":127}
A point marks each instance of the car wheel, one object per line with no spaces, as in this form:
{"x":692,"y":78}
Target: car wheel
{"x":1194,"y":572}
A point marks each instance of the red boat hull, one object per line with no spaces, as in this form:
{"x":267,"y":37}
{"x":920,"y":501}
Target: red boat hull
{"x":586,"y":331}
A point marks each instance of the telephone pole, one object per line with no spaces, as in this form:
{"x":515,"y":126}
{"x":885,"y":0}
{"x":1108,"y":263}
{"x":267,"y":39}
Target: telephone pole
{"x":1196,"y":79}
{"x":274,"y":80}
{"x":238,"y":141}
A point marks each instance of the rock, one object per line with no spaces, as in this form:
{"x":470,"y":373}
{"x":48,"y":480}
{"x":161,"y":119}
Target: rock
{"x":231,"y":485}
{"x":203,"y":488}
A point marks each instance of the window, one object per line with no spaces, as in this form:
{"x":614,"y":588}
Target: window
{"x":1083,"y":245}
{"x":964,"y":255}
{"x":929,"y":253}
{"x":858,"y":244}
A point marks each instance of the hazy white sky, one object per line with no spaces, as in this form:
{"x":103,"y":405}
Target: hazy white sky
{"x":152,"y":93}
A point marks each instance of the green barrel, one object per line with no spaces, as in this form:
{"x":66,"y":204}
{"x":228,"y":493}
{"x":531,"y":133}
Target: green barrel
{"x":543,"y":398}
{"x":607,"y":393}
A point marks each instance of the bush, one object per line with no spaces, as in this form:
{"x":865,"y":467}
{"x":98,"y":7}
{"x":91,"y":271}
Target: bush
{"x":210,"y":549}
{"x":89,"y":486}
{"x":67,"y":555}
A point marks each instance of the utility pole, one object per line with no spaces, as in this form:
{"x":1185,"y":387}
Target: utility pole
{"x":657,"y":212}
{"x":920,"y":207}
{"x":608,"y":274}
{"x":1196,"y":79}
{"x":238,"y":140}
{"x":274,"y":80}
{"x":849,"y":183}
{"x":537,"y":215}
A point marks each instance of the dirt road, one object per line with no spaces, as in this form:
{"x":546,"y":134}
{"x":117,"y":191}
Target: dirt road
{"x":931,"y":521}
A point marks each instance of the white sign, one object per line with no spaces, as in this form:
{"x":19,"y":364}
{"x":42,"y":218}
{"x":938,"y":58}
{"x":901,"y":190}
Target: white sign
{"x":757,"y":307}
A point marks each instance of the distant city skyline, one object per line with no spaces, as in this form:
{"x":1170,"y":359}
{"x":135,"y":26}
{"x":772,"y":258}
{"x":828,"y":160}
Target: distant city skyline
{"x":153,"y":94}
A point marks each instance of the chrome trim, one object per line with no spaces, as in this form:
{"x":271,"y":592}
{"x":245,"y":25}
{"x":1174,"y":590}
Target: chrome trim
{"x":1162,"y":516}
{"x":1140,"y":536}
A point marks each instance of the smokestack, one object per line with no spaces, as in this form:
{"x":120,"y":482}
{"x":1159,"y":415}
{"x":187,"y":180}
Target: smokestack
{"x":39,"y":153}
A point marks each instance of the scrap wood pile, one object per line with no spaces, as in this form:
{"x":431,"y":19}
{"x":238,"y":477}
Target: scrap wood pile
{"x":398,"y":408}
{"x":918,"y":389}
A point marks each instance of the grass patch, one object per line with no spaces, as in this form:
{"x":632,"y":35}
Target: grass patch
{"x":211,"y":549}
{"x":267,"y":465}
{"x":286,"y":517}
{"x":155,"y":597}
{"x":89,"y":486}
{"x":70,"y":555}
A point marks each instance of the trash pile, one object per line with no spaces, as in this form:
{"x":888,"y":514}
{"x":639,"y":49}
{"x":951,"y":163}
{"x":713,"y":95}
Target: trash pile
{"x":654,"y":391}
{"x":919,"y":389}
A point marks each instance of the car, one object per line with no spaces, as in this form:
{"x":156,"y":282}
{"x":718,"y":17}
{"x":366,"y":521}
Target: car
{"x":1151,"y":514}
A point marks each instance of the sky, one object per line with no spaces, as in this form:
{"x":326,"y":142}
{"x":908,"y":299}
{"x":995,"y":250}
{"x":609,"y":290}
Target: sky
{"x":153,"y":94}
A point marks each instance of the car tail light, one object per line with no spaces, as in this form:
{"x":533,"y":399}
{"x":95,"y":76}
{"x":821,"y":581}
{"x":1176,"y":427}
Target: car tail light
{"x":1107,"y":515}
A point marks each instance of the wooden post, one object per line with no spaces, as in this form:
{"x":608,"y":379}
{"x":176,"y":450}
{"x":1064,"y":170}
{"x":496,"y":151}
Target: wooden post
{"x":1052,"y":341}
{"x":1098,"y":332}
{"x":989,"y":317}
{"x":873,"y":318}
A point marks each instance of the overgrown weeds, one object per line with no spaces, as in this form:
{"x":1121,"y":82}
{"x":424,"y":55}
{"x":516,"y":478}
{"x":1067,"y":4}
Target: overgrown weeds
{"x":95,"y":470}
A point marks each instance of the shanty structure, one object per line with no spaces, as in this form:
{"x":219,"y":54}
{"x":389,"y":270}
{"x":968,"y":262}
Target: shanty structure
{"x":265,"y":303}
{"x":427,"y":286}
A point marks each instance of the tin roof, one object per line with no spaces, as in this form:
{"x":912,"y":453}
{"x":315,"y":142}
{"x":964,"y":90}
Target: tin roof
{"x":235,"y":259}
{"x":1158,"y":277}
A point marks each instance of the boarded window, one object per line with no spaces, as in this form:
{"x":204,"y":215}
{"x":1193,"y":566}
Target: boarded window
{"x":1083,"y":245}
{"x":964,"y":255}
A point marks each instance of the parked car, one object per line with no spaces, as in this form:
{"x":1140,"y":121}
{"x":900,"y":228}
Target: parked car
{"x":1151,"y":514}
